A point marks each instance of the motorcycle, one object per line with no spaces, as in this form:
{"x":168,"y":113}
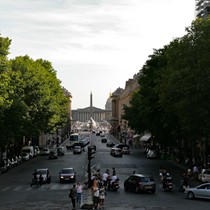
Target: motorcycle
{"x":167,"y":183}
{"x":114,"y":186}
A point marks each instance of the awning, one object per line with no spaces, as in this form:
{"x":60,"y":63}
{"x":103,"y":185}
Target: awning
{"x":136,"y":136}
{"x":146,"y":137}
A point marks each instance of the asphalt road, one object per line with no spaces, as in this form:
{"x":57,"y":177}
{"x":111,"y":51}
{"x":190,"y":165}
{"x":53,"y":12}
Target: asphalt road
{"x":16,"y":193}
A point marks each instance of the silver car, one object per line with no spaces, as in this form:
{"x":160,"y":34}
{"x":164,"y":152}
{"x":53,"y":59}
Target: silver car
{"x":201,"y":191}
{"x":204,"y":176}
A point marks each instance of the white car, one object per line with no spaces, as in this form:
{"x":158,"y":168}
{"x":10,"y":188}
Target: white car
{"x":201,"y":191}
{"x":204,"y":176}
{"x":25,"y":156}
{"x":45,"y":151}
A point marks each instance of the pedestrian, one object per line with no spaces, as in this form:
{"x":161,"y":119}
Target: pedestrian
{"x":72,"y":195}
{"x":195,"y":172}
{"x":79,"y":192}
{"x":105,"y":178}
{"x":96,"y":194}
{"x":102,"y":197}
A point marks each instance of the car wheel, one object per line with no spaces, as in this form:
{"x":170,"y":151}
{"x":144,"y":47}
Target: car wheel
{"x":190,"y":195}
{"x":153,"y":191}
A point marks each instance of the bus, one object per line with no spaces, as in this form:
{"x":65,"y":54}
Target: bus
{"x":74,"y":138}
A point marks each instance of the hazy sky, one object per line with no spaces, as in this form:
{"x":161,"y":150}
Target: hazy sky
{"x":94,"y":45}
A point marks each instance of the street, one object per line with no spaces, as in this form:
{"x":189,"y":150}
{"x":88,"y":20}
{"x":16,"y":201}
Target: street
{"x":16,"y":193}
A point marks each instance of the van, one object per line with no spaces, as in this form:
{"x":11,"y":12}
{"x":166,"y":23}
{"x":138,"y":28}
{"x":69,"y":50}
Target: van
{"x":29,"y":150}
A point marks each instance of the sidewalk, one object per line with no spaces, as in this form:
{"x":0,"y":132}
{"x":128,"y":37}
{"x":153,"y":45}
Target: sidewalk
{"x":87,"y":202}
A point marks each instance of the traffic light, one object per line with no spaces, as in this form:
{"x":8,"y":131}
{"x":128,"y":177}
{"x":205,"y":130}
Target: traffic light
{"x":90,"y":153}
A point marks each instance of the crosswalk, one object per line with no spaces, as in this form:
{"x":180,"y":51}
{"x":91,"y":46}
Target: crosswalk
{"x":20,"y":188}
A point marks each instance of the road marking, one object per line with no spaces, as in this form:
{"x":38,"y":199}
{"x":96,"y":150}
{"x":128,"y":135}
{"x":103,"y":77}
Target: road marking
{"x":5,"y":189}
{"x":65,"y":187}
{"x":17,"y":188}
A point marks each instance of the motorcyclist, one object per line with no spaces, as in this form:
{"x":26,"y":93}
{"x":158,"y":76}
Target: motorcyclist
{"x":113,"y":179}
{"x":34,"y":179}
{"x":166,"y":180}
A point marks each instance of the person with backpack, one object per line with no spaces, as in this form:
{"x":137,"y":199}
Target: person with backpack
{"x":73,"y":196}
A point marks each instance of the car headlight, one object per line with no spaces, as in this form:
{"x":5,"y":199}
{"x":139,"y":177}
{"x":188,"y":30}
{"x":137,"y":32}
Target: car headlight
{"x":62,"y":177}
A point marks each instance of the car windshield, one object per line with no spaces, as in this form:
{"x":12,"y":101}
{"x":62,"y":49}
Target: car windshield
{"x":41,"y":171}
{"x":67,"y":171}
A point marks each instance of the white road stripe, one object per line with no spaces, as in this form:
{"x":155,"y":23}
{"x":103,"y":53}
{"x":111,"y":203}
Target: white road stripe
{"x":5,"y":189}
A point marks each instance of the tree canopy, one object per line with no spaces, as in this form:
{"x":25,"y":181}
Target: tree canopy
{"x":172,"y":101}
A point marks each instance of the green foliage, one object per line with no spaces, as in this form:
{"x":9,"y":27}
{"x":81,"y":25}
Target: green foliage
{"x":32,"y":100}
{"x":173,"y":97}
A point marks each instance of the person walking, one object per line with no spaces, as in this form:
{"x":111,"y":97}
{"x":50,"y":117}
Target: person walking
{"x":96,"y":194}
{"x":79,"y":193}
{"x":72,"y":195}
{"x":105,"y":178}
{"x":102,"y":197}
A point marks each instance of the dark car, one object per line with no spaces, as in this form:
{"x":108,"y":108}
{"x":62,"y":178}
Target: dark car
{"x":116,"y":152}
{"x":103,"y":140}
{"x":110,"y":144}
{"x":140,"y":183}
{"x":44,"y":172}
{"x":77,"y":150}
{"x":67,"y":175}
{"x":53,"y":154}
{"x":61,"y":151}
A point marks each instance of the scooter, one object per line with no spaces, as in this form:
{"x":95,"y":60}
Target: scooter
{"x":114,"y":186}
{"x":167,"y":184}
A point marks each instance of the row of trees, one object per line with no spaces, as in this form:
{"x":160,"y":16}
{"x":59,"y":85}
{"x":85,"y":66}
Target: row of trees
{"x":32,"y":100}
{"x":173,"y":101}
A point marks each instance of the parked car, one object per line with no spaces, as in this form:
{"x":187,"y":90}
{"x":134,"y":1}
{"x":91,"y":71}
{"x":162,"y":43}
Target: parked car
{"x":77,"y":150}
{"x":126,"y":151}
{"x":110,"y":144}
{"x":204,"y":176}
{"x":152,"y":154}
{"x":3,"y":166}
{"x":53,"y":154}
{"x":36,"y":150}
{"x":46,"y":177}
{"x":140,"y":183}
{"x":67,"y":175}
{"x":25,"y":156}
{"x":116,"y":152}
{"x":103,"y":140}
{"x":201,"y":191}
{"x":45,"y":151}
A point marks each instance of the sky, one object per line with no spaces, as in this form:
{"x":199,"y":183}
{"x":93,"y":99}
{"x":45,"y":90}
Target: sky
{"x":94,"y":45}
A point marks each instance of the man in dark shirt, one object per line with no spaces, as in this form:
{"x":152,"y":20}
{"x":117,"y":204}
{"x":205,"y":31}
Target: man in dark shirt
{"x":73,"y":196}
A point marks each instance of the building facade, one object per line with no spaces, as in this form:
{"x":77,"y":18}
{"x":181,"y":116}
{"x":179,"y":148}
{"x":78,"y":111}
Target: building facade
{"x":202,"y":8}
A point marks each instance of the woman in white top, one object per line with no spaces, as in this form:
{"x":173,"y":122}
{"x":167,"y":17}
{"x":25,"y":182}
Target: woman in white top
{"x":79,"y":192}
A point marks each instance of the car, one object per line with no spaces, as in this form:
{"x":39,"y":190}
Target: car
{"x":121,"y":145}
{"x":53,"y":154}
{"x":97,"y":134}
{"x":44,"y":172}
{"x":45,"y":151}
{"x":60,"y":151}
{"x":152,"y":154}
{"x":3,"y":166}
{"x":25,"y":156}
{"x":67,"y":175}
{"x":140,"y":183}
{"x":77,"y":150}
{"x":116,"y":152}
{"x":37,"y":150}
{"x":103,"y":140}
{"x":126,"y":151}
{"x":204,"y":176}
{"x":110,"y":144}
{"x":201,"y":191}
